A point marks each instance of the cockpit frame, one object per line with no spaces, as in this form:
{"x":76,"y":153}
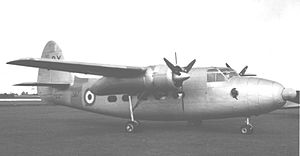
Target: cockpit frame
{"x":220,"y":74}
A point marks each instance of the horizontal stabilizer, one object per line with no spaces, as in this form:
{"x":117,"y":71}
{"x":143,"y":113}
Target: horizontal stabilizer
{"x":55,"y":85}
{"x":80,"y":67}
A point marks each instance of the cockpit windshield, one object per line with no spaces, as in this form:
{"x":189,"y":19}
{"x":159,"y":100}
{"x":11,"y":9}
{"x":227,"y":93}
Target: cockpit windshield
{"x":229,"y":73}
{"x":220,"y":74}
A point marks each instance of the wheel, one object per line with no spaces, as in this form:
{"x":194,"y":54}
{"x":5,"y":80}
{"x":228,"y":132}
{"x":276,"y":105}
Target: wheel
{"x":247,"y":129}
{"x":130,"y":127}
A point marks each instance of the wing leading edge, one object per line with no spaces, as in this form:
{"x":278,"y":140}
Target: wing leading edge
{"x":80,"y":67}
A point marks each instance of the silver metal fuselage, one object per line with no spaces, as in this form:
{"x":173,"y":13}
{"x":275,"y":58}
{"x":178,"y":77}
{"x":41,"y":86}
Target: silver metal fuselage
{"x":202,"y":99}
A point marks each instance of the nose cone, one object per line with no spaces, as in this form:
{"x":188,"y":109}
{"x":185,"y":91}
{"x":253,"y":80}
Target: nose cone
{"x":268,"y":94}
{"x":289,"y":94}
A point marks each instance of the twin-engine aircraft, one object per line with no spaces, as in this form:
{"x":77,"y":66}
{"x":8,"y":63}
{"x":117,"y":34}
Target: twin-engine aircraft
{"x":159,"y":92}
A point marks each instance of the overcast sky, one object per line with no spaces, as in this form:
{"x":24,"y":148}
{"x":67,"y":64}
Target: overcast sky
{"x":263,"y":34}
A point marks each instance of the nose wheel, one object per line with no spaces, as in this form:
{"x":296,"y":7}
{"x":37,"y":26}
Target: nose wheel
{"x":247,"y":128}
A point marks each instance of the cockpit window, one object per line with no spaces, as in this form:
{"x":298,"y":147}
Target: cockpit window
{"x":211,"y":77}
{"x":220,"y":77}
{"x":214,"y":75}
{"x":220,"y":74}
{"x":212,"y":70}
{"x":229,"y":73}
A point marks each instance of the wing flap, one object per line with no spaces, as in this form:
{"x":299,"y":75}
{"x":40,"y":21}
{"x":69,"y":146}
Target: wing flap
{"x":80,"y":67}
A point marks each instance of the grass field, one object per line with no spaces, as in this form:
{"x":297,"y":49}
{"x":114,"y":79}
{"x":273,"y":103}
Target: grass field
{"x":57,"y":130}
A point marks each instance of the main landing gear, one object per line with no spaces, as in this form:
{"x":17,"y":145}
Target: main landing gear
{"x":247,"y":128}
{"x":131,"y":125}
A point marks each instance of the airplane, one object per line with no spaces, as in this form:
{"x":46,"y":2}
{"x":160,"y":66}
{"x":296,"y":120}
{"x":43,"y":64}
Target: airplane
{"x":159,"y":92}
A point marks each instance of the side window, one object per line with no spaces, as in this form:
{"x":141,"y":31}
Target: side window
{"x":220,"y":77}
{"x":112,"y":98}
{"x":211,"y":77}
{"x":125,"y":98}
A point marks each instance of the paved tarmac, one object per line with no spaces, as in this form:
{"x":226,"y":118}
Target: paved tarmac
{"x":57,"y":130}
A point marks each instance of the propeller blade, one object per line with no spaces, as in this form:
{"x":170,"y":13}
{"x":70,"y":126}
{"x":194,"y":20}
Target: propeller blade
{"x":182,"y":101}
{"x":228,"y":66}
{"x":175,"y":69}
{"x":175,"y":58}
{"x":181,"y":92}
{"x":242,"y":73}
{"x":189,"y":66}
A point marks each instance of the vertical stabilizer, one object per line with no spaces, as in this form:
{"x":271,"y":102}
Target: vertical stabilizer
{"x":52,"y":51}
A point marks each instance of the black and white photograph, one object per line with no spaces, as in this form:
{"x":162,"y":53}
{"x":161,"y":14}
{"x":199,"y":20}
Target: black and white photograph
{"x":150,"y":78}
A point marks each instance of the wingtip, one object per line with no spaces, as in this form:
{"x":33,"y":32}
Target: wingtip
{"x":19,"y":60}
{"x":10,"y":62}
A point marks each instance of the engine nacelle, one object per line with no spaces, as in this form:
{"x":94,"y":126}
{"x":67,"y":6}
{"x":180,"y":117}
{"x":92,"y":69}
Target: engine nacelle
{"x":156,"y":78}
{"x":159,"y":78}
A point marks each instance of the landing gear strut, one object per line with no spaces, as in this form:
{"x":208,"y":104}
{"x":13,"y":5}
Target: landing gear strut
{"x":132,"y":124}
{"x":247,"y":128}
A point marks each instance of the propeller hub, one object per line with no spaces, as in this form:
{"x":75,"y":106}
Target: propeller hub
{"x":182,"y":77}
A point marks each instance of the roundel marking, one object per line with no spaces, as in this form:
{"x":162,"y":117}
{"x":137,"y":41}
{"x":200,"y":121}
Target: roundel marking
{"x":89,"y":98}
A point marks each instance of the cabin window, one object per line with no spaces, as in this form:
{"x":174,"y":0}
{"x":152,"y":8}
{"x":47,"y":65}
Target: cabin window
{"x":112,"y":98}
{"x":125,"y":98}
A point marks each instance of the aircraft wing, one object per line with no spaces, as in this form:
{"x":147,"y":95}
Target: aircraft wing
{"x":44,"y":84}
{"x":80,"y":67}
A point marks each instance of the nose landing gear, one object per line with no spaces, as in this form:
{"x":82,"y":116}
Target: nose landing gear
{"x":247,"y":128}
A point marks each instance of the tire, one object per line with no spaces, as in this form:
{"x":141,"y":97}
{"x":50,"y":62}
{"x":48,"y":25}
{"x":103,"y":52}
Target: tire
{"x":130,"y":127}
{"x":247,"y":129}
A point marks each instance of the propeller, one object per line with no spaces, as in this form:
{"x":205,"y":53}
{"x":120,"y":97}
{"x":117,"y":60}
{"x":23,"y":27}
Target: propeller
{"x":242,"y":72}
{"x":180,"y":74}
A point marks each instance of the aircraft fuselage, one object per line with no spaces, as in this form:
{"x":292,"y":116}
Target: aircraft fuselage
{"x":200,"y":99}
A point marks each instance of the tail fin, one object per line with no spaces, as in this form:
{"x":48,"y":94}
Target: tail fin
{"x":50,"y":77}
{"x":52,"y":51}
